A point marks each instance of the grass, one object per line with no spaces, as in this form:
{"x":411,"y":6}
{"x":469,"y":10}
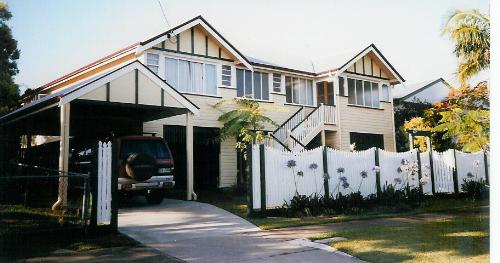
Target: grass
{"x":236,"y":204}
{"x":462,"y":238}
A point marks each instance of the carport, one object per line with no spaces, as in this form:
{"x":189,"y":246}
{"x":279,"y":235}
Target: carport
{"x":114,"y":102}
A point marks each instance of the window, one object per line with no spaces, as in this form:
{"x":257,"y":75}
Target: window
{"x":192,"y":77}
{"x":277,"y":82}
{"x":253,"y":85}
{"x":385,"y":92}
{"x":363,"y":93}
{"x":226,"y":75}
{"x":366,"y":141}
{"x":153,"y":62}
{"x":342,"y":91}
{"x":299,"y":91}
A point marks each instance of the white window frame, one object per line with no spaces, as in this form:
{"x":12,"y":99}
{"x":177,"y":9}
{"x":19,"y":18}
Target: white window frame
{"x":230,"y":75}
{"x":313,"y":83}
{"x":280,"y":82}
{"x":152,"y":65}
{"x":204,"y":88}
{"x":253,"y":85}
{"x":363,"y":79}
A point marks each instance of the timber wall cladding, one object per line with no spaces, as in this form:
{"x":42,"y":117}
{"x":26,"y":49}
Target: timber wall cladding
{"x":286,"y":174}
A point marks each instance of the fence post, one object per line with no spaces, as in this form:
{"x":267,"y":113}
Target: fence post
{"x":93,"y":186}
{"x":250,"y":180}
{"x":455,"y":173}
{"x":325,"y":172}
{"x":263,"y":203}
{"x":377,"y":173}
{"x":419,"y":162}
{"x":431,"y":163}
{"x":114,"y":185}
{"x":486,"y":175}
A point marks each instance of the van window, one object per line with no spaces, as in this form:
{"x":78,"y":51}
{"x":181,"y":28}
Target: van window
{"x":157,"y":149}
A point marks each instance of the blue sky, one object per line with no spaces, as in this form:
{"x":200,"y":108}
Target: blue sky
{"x":58,"y":36}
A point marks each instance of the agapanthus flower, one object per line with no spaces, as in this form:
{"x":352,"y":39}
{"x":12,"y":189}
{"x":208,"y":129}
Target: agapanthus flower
{"x":399,"y":170}
{"x":470,"y":175}
{"x":300,"y":173}
{"x":343,"y":179}
{"x":376,"y":168}
{"x":404,"y":162}
{"x":313,"y":166}
{"x":340,"y":170}
{"x":476,"y":163}
{"x":397,"y":180}
{"x":364,"y":174}
{"x":345,"y":185}
{"x":291,"y":163}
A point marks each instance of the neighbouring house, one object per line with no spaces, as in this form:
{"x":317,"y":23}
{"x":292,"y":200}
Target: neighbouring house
{"x":350,"y":101}
{"x":430,"y":91}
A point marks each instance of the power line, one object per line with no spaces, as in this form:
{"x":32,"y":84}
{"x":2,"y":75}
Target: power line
{"x":163,"y":12}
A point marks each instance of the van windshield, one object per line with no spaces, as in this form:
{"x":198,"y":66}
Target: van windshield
{"x":156,"y":149}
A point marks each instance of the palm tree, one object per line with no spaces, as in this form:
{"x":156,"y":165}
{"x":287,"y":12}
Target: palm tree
{"x":470,"y":31}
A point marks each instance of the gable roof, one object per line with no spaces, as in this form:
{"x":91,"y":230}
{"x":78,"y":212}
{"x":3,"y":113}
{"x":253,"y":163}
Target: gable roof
{"x":199,"y":20}
{"x":403,"y":92}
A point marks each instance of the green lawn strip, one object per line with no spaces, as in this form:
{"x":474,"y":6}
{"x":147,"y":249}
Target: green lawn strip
{"x":237,"y":205}
{"x":462,"y":238}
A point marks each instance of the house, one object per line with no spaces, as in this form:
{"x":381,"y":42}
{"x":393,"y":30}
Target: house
{"x":430,"y":91}
{"x":348,"y":102}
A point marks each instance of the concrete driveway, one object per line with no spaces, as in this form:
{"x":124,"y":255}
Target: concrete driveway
{"x":198,"y":232}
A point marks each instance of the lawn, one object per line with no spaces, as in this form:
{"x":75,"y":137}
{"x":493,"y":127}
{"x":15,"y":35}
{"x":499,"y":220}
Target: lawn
{"x":236,"y":204}
{"x":463,"y":238}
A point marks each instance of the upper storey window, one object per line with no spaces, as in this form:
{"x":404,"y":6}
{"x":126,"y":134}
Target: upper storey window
{"x":299,"y":91}
{"x":254,"y":85}
{"x":363,"y":93}
{"x":191,"y":77}
{"x":226,"y":75}
{"x":153,"y":62}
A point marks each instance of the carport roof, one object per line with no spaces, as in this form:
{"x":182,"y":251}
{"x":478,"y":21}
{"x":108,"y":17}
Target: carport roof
{"x":67,"y":94}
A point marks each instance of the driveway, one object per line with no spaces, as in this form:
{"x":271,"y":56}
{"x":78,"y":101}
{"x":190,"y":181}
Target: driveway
{"x":198,"y":232}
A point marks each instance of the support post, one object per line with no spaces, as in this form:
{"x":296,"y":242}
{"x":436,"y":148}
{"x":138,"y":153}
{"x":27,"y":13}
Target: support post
{"x":189,"y":157}
{"x":62,"y":196}
{"x":326,"y":185}
{"x":323,"y":138}
{"x":455,"y":173}
{"x":263,"y":203}
{"x":410,"y":138}
{"x":377,"y":173}
{"x":486,"y":175}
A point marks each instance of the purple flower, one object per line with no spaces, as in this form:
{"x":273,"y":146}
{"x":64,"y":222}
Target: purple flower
{"x":300,"y":173}
{"x":397,"y":180}
{"x":343,"y":179}
{"x":291,"y":163}
{"x":399,"y":170}
{"x":470,"y":175}
{"x":364,"y":174}
{"x":340,"y":170}
{"x":376,"y":168}
{"x":404,"y":162}
{"x":313,"y":166}
{"x":345,"y":185}
{"x":476,"y":163}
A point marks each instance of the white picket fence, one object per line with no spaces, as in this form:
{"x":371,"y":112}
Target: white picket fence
{"x":289,"y":173}
{"x":104,"y":183}
{"x":351,"y":165}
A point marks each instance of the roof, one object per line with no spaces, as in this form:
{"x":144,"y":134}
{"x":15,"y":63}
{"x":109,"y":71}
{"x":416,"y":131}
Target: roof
{"x":69,"y":93}
{"x":403,"y":92}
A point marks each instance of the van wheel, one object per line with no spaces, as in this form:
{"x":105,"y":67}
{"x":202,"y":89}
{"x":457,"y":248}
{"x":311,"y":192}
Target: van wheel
{"x":154,"y":198}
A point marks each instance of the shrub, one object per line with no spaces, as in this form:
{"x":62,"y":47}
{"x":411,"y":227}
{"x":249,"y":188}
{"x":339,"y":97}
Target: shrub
{"x":476,"y":189}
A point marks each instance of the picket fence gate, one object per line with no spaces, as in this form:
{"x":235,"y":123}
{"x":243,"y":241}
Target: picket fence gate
{"x":278,"y":175}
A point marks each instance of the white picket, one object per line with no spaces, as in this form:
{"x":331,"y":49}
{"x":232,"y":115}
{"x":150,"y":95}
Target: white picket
{"x":443,"y":165}
{"x":353,"y":164}
{"x":256,"y":176}
{"x":470,"y":166}
{"x":389,"y":164}
{"x":104,"y":183}
{"x":425,"y":164}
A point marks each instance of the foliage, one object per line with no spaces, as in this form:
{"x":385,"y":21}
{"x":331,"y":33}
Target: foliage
{"x":245,"y":122}
{"x":405,"y":111}
{"x":476,"y":189}
{"x":462,"y":117}
{"x":470,"y":32}
{"x":9,"y":93}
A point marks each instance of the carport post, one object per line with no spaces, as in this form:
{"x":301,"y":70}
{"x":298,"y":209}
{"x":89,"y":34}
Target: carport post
{"x":189,"y":156}
{"x":62,"y":196}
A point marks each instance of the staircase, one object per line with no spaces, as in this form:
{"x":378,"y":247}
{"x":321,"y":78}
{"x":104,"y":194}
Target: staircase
{"x":295,"y":133}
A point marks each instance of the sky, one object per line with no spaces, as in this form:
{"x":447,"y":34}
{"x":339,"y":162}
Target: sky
{"x":56,"y":37}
